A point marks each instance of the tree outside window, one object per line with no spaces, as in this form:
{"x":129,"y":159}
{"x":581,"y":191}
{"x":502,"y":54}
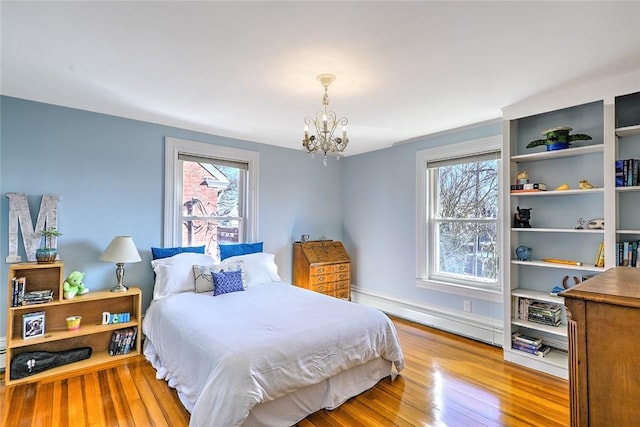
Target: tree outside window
{"x":464,"y":220}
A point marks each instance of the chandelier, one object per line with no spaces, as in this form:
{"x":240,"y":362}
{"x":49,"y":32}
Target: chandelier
{"x":326,"y":126}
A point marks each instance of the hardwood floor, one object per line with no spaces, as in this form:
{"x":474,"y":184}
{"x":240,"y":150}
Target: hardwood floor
{"x":447,"y":381}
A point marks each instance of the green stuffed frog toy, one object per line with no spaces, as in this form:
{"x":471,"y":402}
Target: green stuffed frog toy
{"x":73,"y":285}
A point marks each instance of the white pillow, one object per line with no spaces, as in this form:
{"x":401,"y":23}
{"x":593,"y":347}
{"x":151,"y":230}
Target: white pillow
{"x":175,"y":274}
{"x":258,"y":268}
{"x":204,"y":279}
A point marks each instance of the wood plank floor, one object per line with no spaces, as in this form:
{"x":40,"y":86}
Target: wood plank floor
{"x":447,"y":381}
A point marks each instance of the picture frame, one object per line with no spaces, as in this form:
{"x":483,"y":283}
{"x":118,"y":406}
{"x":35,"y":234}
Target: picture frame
{"x":33,"y":325}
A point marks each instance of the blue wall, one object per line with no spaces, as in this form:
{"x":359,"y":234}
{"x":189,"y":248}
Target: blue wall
{"x":380,"y":220}
{"x":109,"y":173}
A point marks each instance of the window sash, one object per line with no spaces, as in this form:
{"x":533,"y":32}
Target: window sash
{"x":434,"y":238}
{"x":472,"y":150}
{"x":213,"y":161}
{"x":177,"y":150}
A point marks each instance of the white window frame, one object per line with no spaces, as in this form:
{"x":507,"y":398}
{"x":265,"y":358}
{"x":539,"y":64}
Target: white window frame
{"x":423,"y":243}
{"x":173,"y":184}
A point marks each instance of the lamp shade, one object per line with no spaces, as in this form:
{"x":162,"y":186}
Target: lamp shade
{"x":121,"y":250}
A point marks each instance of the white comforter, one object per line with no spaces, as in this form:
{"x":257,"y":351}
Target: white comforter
{"x":226,"y":354}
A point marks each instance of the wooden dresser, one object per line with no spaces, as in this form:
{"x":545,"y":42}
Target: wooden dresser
{"x":604,"y":349}
{"x":322,"y":266}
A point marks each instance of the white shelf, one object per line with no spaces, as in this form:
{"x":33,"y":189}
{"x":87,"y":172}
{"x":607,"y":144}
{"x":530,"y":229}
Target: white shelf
{"x":627,"y":231}
{"x":555,"y":363}
{"x":557,"y":154}
{"x":558,"y":192}
{"x":560,"y":331}
{"x":537,"y":295}
{"x":629,"y":188}
{"x":558,"y":230}
{"x":540,"y":263}
{"x":628,"y":131}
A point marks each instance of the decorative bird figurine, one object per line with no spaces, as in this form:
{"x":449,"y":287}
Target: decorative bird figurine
{"x":584,"y":184}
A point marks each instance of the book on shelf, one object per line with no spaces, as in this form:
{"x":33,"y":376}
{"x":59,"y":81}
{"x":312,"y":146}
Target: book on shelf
{"x":18,"y":289}
{"x":545,"y":313}
{"x":628,"y":254}
{"x":619,"y":173}
{"x":543,"y":320}
{"x":122,"y":341}
{"x":526,"y":339}
{"x":542,"y":351}
{"x":38,"y":297}
{"x":599,"y":254}
{"x":528,"y":344}
{"x":601,"y":257}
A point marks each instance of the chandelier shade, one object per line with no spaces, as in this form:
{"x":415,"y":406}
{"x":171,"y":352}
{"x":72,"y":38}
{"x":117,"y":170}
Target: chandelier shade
{"x":330,"y":131}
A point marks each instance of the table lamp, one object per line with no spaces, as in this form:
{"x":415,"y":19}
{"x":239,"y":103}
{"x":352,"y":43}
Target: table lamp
{"x":120,"y":250}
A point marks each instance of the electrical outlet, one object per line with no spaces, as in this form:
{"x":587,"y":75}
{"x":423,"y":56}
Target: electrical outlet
{"x":467,"y":306}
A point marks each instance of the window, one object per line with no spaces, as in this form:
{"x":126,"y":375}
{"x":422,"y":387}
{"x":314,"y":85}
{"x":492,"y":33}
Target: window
{"x":210,"y":195}
{"x":458,"y":218}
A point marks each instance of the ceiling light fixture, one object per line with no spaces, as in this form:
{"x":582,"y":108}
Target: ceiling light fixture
{"x":326,"y":125}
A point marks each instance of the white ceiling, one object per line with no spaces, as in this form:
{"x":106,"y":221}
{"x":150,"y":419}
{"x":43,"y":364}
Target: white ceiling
{"x":248,"y":70}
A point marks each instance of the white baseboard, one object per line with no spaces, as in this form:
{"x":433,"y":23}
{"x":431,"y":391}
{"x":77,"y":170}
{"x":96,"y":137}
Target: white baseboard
{"x":3,"y":352}
{"x":470,"y":325}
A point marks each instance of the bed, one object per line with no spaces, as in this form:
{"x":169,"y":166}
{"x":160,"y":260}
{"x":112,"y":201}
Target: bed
{"x":268,"y":355}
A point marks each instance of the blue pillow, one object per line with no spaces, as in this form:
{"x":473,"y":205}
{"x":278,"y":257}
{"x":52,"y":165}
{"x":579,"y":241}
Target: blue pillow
{"x":158,"y":253}
{"x":227,"y":281}
{"x":235,"y":249}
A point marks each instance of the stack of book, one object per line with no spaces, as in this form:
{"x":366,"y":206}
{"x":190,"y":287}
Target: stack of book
{"x":122,"y":341}
{"x":19,"y":295}
{"x":529,"y":345}
{"x":38,"y":297}
{"x":545,"y":313}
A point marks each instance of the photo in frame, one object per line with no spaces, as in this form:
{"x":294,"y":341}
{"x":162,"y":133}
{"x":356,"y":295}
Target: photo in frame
{"x":33,"y":325}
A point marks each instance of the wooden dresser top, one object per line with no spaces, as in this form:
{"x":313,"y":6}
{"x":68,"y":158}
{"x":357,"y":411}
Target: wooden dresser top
{"x":620,"y":286}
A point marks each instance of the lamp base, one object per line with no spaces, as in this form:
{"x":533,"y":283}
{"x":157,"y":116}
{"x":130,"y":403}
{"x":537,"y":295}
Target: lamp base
{"x":119,"y":288}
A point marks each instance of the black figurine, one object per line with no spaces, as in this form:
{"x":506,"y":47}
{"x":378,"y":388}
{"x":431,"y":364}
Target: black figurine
{"x":522,"y":217}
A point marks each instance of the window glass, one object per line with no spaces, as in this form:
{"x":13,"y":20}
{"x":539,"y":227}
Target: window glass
{"x":212,"y":208}
{"x":463,"y":221}
{"x":210,"y":195}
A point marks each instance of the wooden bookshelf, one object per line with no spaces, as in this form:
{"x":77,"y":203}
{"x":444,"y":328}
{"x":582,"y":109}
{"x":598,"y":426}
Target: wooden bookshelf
{"x":92,"y":332}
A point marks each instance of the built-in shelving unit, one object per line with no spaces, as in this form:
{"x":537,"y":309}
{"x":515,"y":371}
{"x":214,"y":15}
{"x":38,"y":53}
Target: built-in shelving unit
{"x":555,"y":219}
{"x":613,"y":122}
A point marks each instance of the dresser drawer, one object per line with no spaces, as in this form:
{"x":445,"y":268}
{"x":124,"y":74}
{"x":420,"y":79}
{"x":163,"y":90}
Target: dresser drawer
{"x":344,"y":276}
{"x":319,"y":270}
{"x":324,"y":288}
{"x":325,"y":278}
{"x":342,"y":293}
{"x":343,"y":284}
{"x":344,"y":267}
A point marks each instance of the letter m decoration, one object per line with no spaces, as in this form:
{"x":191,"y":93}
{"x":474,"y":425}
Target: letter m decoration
{"x":19,"y":214}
